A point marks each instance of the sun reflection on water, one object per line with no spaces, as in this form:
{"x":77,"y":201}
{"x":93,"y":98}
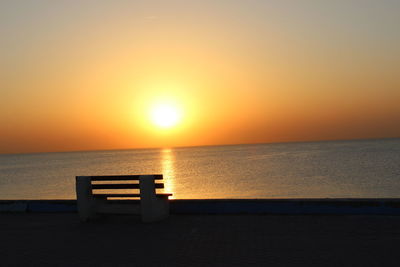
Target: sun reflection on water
{"x":167,"y":162}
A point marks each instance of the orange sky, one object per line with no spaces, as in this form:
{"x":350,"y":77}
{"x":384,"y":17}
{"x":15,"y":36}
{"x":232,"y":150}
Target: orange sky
{"x":85,"y":76}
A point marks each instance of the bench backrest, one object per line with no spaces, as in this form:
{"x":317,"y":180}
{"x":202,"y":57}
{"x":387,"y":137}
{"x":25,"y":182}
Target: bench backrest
{"x":123,"y":186}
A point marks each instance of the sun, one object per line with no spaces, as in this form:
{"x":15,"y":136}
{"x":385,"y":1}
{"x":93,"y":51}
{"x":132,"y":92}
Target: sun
{"x":165,"y":115}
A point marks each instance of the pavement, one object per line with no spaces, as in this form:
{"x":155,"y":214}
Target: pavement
{"x":43,"y":239}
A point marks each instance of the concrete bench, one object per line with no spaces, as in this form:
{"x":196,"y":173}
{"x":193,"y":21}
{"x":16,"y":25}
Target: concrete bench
{"x":102,"y":195}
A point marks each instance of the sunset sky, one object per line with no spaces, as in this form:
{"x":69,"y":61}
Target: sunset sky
{"x":86,"y":75}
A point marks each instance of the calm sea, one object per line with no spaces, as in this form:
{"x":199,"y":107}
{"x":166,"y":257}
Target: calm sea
{"x":368,"y":168}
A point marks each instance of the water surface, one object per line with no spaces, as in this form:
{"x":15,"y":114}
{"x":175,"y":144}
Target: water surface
{"x":344,"y":169}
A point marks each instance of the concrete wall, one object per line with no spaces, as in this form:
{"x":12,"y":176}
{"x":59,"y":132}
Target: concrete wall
{"x":234,"y":206}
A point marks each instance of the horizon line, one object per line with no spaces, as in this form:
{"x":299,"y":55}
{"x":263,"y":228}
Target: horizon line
{"x":215,"y":145}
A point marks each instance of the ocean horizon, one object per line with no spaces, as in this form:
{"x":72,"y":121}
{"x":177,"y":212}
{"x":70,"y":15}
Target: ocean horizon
{"x":322,"y":169}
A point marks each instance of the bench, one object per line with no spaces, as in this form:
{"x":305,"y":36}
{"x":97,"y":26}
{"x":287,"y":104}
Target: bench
{"x":102,"y":195}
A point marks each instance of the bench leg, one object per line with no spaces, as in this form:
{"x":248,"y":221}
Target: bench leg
{"x":84,"y":199}
{"x":152,"y":208}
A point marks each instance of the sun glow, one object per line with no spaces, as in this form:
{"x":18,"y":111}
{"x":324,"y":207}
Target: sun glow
{"x":165,"y":115}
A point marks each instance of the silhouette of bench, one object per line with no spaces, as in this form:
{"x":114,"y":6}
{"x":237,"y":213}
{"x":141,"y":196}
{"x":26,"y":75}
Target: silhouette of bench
{"x":102,"y":195}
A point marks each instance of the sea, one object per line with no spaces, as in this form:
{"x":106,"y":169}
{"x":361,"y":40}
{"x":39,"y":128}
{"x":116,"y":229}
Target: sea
{"x":330,"y":169}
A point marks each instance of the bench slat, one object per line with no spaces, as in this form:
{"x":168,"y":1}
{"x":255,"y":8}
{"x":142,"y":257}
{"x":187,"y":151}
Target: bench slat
{"x":163,"y":194}
{"x":116,"y":195}
{"x":127,"y":195}
{"x":123,"y":177}
{"x":122,"y":186}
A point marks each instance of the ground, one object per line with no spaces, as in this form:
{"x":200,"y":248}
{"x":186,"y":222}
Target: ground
{"x":34,"y":239}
